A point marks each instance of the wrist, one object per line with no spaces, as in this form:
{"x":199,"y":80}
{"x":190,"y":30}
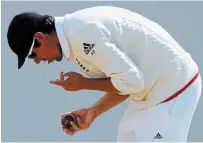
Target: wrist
{"x":96,"y":112}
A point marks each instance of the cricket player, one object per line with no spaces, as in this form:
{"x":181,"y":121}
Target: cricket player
{"x":122,"y":54}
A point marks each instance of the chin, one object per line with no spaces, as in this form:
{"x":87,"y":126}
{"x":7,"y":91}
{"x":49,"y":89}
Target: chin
{"x":58,"y":59}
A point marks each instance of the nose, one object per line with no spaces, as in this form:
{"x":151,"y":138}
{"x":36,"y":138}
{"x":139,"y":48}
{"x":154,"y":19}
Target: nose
{"x":37,"y":61}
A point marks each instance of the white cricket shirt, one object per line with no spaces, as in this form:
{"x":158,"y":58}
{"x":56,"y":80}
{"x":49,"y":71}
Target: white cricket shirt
{"x":141,"y":58}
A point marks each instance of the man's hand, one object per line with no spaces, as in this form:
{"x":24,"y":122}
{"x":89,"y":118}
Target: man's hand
{"x":76,"y":81}
{"x":73,"y":82}
{"x":85,"y":118}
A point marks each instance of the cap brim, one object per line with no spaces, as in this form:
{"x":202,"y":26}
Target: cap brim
{"x":21,"y":61}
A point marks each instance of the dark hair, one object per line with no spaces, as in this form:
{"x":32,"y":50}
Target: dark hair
{"x":46,"y":26}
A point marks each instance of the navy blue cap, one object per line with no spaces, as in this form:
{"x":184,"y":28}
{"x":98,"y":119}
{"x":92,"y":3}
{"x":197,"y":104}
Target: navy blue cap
{"x":21,"y":32}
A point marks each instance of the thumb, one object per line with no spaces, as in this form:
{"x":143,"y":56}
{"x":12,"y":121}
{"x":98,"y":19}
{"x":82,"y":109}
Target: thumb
{"x":67,"y":74}
{"x":61,"y":76}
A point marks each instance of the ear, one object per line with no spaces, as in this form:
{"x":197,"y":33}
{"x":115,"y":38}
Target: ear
{"x":40,"y":37}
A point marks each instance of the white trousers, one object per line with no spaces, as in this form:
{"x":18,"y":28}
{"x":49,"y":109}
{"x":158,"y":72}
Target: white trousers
{"x":166,"y":122}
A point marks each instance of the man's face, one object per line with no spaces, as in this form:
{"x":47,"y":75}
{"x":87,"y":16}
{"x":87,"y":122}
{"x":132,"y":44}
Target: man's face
{"x":49,"y":49}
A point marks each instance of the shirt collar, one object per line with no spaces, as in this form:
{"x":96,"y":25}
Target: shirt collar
{"x":59,"y":23}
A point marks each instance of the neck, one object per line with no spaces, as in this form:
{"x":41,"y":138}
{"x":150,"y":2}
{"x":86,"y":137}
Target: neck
{"x":60,"y":56}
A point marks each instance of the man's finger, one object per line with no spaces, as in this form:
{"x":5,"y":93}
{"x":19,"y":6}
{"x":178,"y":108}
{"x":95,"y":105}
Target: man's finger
{"x":74,"y":126}
{"x":64,"y":114}
{"x":57,"y":82}
{"x":67,"y":131}
{"x":70,"y":132}
{"x":61,"y":76}
{"x":80,"y":124}
{"x":68,"y":74}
